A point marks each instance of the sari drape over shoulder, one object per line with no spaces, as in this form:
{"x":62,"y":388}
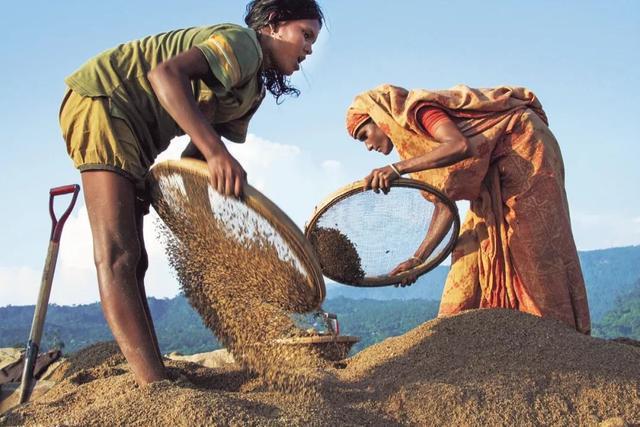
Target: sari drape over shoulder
{"x":515,"y":248}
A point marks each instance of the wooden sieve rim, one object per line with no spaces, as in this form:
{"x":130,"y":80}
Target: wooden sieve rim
{"x":320,"y":339}
{"x":268,"y":210}
{"x":385,"y":279}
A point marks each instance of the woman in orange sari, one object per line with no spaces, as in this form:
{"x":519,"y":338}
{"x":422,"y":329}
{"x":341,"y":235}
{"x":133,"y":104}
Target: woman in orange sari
{"x":494,"y":148}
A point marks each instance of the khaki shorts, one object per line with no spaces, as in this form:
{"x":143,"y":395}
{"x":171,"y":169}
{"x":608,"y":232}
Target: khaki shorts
{"x":97,"y":141}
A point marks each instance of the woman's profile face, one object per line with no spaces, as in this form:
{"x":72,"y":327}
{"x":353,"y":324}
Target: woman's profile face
{"x":292,"y":42}
{"x":374,"y":138}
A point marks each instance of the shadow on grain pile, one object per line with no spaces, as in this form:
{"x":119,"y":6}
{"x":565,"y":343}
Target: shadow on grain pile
{"x":496,"y":367}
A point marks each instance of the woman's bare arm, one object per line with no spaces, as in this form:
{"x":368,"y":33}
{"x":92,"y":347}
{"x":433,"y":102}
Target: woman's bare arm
{"x":171,"y":82}
{"x":438,"y":228}
{"x":453,"y":147}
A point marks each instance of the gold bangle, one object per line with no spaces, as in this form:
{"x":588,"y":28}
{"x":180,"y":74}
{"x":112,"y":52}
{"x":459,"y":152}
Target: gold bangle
{"x":395,"y":169}
{"x":417,"y":259}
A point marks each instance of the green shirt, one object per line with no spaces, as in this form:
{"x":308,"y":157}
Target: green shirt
{"x":234,"y":57}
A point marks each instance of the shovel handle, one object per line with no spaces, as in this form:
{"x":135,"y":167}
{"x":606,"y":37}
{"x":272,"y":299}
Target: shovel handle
{"x":57,"y":224}
{"x":37,"y":325}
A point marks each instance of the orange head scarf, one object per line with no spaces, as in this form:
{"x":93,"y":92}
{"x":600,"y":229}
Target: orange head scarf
{"x":355,"y":120}
{"x":393,"y":110}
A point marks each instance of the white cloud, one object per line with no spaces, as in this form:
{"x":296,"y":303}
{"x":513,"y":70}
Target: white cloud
{"x":289,"y":176}
{"x":285,"y":173}
{"x":74,"y":277}
{"x":75,"y":280}
{"x":174,"y":150}
{"x":19,"y":285}
{"x":332,"y":166}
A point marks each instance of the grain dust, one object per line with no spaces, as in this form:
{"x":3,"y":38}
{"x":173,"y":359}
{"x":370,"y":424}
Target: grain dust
{"x":244,"y":288}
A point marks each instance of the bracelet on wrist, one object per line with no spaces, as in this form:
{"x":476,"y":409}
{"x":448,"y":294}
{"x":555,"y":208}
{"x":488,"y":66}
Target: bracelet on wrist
{"x":395,"y":169}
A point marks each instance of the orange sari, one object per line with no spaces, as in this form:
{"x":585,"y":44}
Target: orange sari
{"x":515,"y":248}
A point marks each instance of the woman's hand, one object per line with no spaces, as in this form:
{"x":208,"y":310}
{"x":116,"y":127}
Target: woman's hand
{"x":381,"y":179}
{"x":227,"y":175}
{"x":406,"y":266}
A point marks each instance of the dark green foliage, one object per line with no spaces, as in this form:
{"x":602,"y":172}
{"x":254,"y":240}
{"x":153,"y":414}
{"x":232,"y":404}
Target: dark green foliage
{"x":73,"y":326}
{"x":624,"y":319}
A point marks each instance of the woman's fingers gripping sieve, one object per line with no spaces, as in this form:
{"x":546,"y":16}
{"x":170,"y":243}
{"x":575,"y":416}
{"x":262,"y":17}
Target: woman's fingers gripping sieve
{"x":402,"y":267}
{"x":369,"y":181}
{"x":385,"y":183}
{"x":213,"y":175}
{"x":229,"y":183}
{"x":239,"y":183}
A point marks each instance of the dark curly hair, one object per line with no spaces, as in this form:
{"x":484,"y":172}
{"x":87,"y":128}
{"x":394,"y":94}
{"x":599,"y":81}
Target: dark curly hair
{"x":258,"y":16}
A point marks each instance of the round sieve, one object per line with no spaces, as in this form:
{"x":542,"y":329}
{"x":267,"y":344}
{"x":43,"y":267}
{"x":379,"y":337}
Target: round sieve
{"x":182,"y":196}
{"x":360,"y":236}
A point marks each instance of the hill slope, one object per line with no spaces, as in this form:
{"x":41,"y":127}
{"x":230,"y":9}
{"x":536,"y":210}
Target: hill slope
{"x":608,"y":274}
{"x":179,"y":328}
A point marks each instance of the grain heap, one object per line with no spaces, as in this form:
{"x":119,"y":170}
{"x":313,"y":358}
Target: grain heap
{"x":482,"y":367}
{"x":237,"y":276}
{"x":338,"y":256}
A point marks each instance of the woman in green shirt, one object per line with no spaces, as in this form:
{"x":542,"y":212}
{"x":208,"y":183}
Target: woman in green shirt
{"x":125,"y":105}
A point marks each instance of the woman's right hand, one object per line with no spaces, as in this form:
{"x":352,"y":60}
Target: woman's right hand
{"x":227,"y":175}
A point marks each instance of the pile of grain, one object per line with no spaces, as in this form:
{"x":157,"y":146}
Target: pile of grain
{"x":483,"y":367}
{"x":243,"y":287}
{"x":337,"y":255}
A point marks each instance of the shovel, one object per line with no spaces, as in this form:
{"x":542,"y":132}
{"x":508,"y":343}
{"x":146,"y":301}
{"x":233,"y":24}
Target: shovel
{"x":31,"y":352}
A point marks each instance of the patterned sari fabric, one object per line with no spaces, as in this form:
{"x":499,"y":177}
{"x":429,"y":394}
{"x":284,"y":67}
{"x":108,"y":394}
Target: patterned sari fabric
{"x":515,"y":248}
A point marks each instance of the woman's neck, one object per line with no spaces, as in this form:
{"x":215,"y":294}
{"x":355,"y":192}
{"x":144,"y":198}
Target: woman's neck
{"x":265,"y":41}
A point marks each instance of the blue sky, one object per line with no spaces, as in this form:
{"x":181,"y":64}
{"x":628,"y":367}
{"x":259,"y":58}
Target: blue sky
{"x":580,"y":57}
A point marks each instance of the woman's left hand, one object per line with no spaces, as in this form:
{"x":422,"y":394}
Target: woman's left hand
{"x":380,"y":179}
{"x":406,"y":266}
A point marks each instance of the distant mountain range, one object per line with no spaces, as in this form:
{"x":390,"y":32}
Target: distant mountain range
{"x":608,"y":274}
{"x":612,"y":277}
{"x":179,"y":328}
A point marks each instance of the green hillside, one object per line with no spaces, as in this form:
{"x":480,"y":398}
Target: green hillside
{"x":612,"y":277}
{"x":608,"y":273}
{"x":179,"y":327}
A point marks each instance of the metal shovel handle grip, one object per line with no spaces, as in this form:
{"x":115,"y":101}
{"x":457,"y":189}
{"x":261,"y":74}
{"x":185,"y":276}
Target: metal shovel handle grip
{"x":57,"y":224}
{"x":65,"y":189}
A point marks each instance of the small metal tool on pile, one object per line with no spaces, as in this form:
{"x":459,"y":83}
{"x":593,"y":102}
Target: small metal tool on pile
{"x":331,"y":322}
{"x":325,"y":338}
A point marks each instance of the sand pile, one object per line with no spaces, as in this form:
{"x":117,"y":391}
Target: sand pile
{"x":483,"y":367}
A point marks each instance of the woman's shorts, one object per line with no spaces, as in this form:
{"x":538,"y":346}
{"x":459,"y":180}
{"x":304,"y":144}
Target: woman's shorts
{"x":97,"y":141}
